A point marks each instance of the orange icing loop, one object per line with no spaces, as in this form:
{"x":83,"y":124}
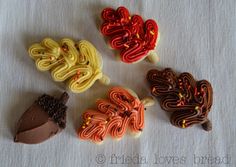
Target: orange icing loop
{"x":113,"y":116}
{"x":105,"y":106}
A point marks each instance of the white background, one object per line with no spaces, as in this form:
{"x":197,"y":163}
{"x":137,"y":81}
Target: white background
{"x":197,"y":36}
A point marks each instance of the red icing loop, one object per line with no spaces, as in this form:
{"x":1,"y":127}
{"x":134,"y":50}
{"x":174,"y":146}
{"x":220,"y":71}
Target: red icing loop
{"x":131,"y":35}
{"x":120,"y":40}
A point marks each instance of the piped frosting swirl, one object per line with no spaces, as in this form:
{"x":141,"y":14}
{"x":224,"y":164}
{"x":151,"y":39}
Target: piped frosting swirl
{"x":188,"y":100}
{"x":78,"y":63}
{"x":113,"y":116}
{"x":129,"y":34}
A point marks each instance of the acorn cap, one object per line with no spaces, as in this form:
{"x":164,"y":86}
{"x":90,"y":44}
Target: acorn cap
{"x":45,"y":118}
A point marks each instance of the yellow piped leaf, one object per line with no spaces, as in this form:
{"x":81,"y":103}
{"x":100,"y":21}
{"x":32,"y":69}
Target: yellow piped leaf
{"x":78,"y":63}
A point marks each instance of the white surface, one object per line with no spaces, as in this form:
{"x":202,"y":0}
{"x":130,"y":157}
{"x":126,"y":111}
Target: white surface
{"x":198,"y":36}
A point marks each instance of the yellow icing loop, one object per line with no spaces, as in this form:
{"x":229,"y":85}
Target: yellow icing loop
{"x":78,"y":63}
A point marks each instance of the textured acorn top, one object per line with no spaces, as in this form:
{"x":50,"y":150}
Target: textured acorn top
{"x":55,"y":108}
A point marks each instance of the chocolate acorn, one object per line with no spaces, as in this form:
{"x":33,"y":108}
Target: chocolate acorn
{"x":45,"y":118}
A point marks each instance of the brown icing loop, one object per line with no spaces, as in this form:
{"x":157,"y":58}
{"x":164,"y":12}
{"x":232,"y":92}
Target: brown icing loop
{"x":189,"y":100}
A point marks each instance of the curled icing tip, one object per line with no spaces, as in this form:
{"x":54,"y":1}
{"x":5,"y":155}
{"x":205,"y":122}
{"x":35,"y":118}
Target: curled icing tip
{"x":148,"y":101}
{"x":153,"y":58}
{"x":207,"y":125}
{"x":77,"y":63}
{"x":105,"y":80}
{"x":120,"y":111}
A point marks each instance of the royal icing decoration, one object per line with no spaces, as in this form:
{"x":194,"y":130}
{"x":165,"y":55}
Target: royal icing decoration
{"x":113,"y":116}
{"x":130,"y":34}
{"x":78,"y":63}
{"x":188,"y":100}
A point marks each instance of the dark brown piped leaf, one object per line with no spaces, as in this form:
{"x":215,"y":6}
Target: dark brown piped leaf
{"x":189,"y":101}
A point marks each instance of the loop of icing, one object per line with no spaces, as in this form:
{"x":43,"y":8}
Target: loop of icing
{"x":78,"y":63}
